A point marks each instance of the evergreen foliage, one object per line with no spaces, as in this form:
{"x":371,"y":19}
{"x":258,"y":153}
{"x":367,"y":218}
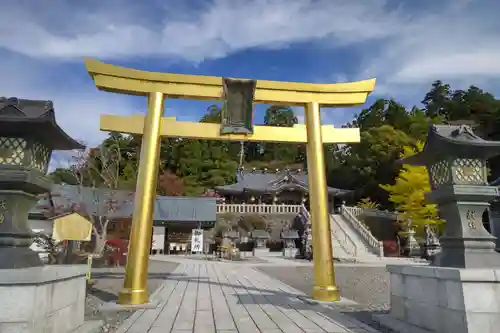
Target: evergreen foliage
{"x":387,"y":127}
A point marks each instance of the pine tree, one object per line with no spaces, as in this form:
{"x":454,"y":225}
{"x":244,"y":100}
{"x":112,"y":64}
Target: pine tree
{"x":407,"y":194}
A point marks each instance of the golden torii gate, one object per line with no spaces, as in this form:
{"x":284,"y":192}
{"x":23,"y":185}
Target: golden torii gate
{"x":159,"y":86}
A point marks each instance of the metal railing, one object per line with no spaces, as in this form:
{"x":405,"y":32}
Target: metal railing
{"x":351,"y":214}
{"x":258,"y":209}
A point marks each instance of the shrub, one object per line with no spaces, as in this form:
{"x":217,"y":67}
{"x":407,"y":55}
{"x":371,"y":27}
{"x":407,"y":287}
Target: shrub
{"x":391,"y":248}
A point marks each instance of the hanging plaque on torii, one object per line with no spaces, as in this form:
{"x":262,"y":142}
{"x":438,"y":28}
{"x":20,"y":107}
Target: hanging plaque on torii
{"x":237,"y":112}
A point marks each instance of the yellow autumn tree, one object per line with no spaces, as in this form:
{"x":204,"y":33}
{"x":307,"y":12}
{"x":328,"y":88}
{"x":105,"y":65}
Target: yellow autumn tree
{"x":407,"y":194}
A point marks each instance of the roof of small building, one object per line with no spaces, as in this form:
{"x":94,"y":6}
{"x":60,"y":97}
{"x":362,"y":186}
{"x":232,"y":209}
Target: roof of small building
{"x":262,"y":181}
{"x":232,"y":234}
{"x":36,"y":118}
{"x":449,"y":140}
{"x":289,"y":234}
{"x":259,"y":234}
{"x":120,"y":204}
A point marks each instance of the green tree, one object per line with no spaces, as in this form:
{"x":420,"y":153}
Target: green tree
{"x":286,"y":154}
{"x":201,"y":164}
{"x":63,"y":176}
{"x":383,"y":112}
{"x":407,"y":194}
{"x":436,"y":101}
{"x":365,"y":165}
{"x":282,"y":116}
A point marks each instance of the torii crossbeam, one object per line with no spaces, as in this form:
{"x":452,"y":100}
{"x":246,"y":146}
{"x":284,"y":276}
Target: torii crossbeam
{"x":236,"y":125}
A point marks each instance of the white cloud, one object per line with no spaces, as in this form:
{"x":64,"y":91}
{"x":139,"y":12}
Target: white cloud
{"x":403,"y":47}
{"x":459,"y":44}
{"x":450,"y":40}
{"x":116,"y":30}
{"x":334,"y":116}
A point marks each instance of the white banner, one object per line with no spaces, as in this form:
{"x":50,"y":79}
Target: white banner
{"x":158,"y":238}
{"x":197,"y":240}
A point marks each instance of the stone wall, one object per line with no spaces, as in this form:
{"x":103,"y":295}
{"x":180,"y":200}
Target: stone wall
{"x":382,"y":225}
{"x":275,"y":222}
{"x":441,"y":299}
{"x":42,"y":299}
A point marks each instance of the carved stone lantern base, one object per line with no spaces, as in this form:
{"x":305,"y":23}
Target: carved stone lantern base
{"x":465,"y":243}
{"x":15,"y":236}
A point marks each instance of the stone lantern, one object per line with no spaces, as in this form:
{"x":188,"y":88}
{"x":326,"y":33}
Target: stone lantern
{"x":455,"y":158}
{"x":28,"y":135}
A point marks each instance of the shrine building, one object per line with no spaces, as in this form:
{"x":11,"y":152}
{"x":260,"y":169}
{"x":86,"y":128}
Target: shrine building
{"x":276,"y":187}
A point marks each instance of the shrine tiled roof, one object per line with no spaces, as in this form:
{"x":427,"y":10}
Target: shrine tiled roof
{"x":272,"y":183}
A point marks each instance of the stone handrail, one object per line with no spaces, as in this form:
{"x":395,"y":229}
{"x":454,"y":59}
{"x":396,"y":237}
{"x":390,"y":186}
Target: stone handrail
{"x":351,"y":214}
{"x":355,"y":211}
{"x":258,"y":209}
{"x":305,"y":212}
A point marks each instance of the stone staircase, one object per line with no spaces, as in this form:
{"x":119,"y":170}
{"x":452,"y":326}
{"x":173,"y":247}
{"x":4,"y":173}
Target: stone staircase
{"x":350,"y":238}
{"x":366,"y":242}
{"x":359,"y":244}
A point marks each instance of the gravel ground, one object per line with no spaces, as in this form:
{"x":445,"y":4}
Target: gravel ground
{"x":109,"y":281}
{"x":366,"y":285}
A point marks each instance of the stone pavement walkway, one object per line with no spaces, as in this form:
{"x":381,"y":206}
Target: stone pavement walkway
{"x":203,"y":297}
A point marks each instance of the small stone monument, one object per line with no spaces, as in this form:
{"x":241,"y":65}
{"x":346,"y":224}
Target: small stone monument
{"x":412,"y":248}
{"x":289,"y":237}
{"x":431,"y":244}
{"x":231,"y":237}
{"x":460,"y":292}
{"x":33,"y":297}
{"x":259,"y":237}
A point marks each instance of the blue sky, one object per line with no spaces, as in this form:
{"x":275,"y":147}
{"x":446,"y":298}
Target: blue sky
{"x":404,"y":44}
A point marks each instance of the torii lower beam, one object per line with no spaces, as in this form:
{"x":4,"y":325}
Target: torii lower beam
{"x":159,"y":86}
{"x":170,"y":127}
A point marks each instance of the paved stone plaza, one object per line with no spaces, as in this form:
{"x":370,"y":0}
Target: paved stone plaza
{"x":203,"y":296}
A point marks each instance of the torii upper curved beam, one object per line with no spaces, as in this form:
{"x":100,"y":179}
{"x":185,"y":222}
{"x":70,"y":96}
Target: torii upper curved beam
{"x":137,"y":82}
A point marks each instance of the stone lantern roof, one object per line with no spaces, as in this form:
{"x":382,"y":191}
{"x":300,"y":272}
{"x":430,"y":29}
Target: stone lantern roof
{"x":289,"y":234}
{"x":259,"y":234}
{"x":36,"y":119}
{"x":454,"y":141}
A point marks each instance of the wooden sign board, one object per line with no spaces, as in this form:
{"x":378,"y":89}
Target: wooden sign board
{"x":72,"y":227}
